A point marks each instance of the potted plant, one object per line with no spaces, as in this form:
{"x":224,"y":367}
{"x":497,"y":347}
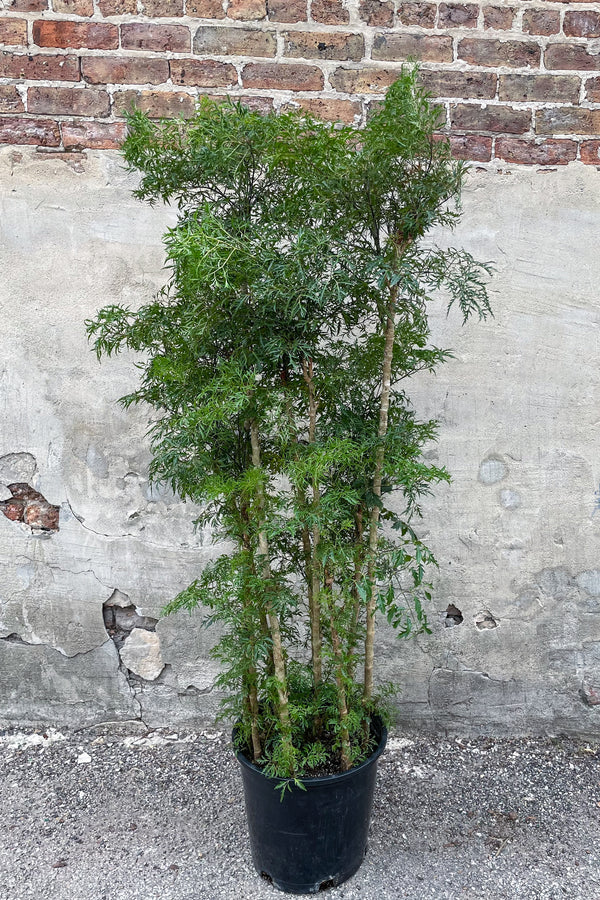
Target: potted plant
{"x":275,"y":361}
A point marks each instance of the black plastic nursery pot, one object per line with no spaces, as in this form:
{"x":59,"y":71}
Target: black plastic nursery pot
{"x":310,"y":839}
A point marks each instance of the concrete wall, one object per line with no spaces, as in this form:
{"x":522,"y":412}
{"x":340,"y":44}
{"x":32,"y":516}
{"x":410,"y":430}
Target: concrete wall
{"x":516,"y":534}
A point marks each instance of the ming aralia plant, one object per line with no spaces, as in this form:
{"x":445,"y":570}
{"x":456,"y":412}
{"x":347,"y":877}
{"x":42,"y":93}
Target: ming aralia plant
{"x":275,"y":360}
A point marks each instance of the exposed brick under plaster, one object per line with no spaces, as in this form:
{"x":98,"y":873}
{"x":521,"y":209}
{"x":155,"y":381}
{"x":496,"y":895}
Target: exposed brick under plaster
{"x":518,"y":81}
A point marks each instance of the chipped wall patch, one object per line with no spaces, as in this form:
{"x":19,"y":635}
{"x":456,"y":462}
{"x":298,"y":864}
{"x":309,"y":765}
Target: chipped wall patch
{"x":30,"y":507}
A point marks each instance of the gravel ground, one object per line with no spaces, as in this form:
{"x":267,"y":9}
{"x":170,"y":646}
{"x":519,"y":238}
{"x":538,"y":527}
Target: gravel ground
{"x":102,"y":815}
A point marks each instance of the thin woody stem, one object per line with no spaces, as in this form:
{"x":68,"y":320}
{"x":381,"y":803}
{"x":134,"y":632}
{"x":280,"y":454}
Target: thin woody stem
{"x":273,"y":619}
{"x":315,"y":566}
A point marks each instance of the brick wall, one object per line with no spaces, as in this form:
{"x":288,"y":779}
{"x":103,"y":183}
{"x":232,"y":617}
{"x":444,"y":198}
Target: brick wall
{"x":519,"y":81}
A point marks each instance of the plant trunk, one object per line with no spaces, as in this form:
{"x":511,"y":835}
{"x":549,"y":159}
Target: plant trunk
{"x":272,"y":618}
{"x":339,"y":675}
{"x":315,"y":588}
{"x":386,"y":387}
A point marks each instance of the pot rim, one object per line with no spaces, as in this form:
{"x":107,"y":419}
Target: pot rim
{"x":309,"y":781}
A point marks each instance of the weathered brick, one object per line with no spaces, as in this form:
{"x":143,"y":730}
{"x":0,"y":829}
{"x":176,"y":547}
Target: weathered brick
{"x":39,"y":67}
{"x":26,"y":5}
{"x":124,"y":70}
{"x":234,"y":41}
{"x":364,"y":80}
{"x":329,"y":12}
{"x":571,"y":56}
{"x":541,"y":21}
{"x":458,"y":15}
{"x":41,"y":515}
{"x":42,"y":132}
{"x":329,"y":110}
{"x":205,"y":9}
{"x":499,"y":53}
{"x":472,"y":147}
{"x":157,"y":9}
{"x":136,"y":36}
{"x":117,"y":7}
{"x":323,"y":45}
{"x":287,"y":10}
{"x":377,"y":12}
{"x":582,"y":23}
{"x":475,"y":85}
{"x":13,"y":509}
{"x":547,"y":153}
{"x":592,"y":90}
{"x":394,"y":46}
{"x":590,"y":153}
{"x":279,"y":76}
{"x":523,"y":88}
{"x":93,"y":135}
{"x":258,"y":104}
{"x":497,"y":119}
{"x":417,"y":13}
{"x":247,"y":10}
{"x":13,"y":31}
{"x":74,"y":7}
{"x":567,"y":120}
{"x":64,"y":101}
{"x":10,"y":99}
{"x":202,"y":72}
{"x":157,"y":104}
{"x":91,"y":35}
{"x":500,"y":18}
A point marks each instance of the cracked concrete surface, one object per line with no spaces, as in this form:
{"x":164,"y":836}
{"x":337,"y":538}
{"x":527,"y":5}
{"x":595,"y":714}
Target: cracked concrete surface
{"x":516,"y":533}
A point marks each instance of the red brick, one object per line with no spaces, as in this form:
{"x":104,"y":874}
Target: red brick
{"x":331,"y":110}
{"x":42,"y":516}
{"x":287,"y":10}
{"x":548,"y":153}
{"x":74,"y":7}
{"x":582,"y":23}
{"x":136,"y":36}
{"x":499,"y":53}
{"x":475,"y":85}
{"x":500,"y":18}
{"x":363,"y":80}
{"x":258,"y":104}
{"x":323,"y":45}
{"x":13,"y":509}
{"x":10,"y":99}
{"x":377,"y":12}
{"x":329,"y":12}
{"x":163,"y":8}
{"x":590,"y":153}
{"x":567,"y":120}
{"x":117,"y":7}
{"x":571,"y":56}
{"x":278,"y":76}
{"x":205,"y":9}
{"x":13,"y":31}
{"x":394,"y":46}
{"x":92,"y":36}
{"x":524,"y":88}
{"x":26,"y":5}
{"x":234,"y":41}
{"x":592,"y":90}
{"x":247,"y":10}
{"x":42,"y":132}
{"x":39,"y":67}
{"x":458,"y":15}
{"x":124,"y":70}
{"x":541,"y":21}
{"x":202,"y":72}
{"x":417,"y":13}
{"x":95,"y":135}
{"x":497,"y":119}
{"x":157,"y":104}
{"x":65,"y":101}
{"x":472,"y":147}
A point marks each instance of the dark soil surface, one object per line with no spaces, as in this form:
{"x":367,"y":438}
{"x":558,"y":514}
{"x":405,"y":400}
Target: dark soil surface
{"x":102,"y":815}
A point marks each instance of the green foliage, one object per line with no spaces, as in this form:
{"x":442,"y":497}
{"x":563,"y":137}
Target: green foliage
{"x":297,"y":258}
